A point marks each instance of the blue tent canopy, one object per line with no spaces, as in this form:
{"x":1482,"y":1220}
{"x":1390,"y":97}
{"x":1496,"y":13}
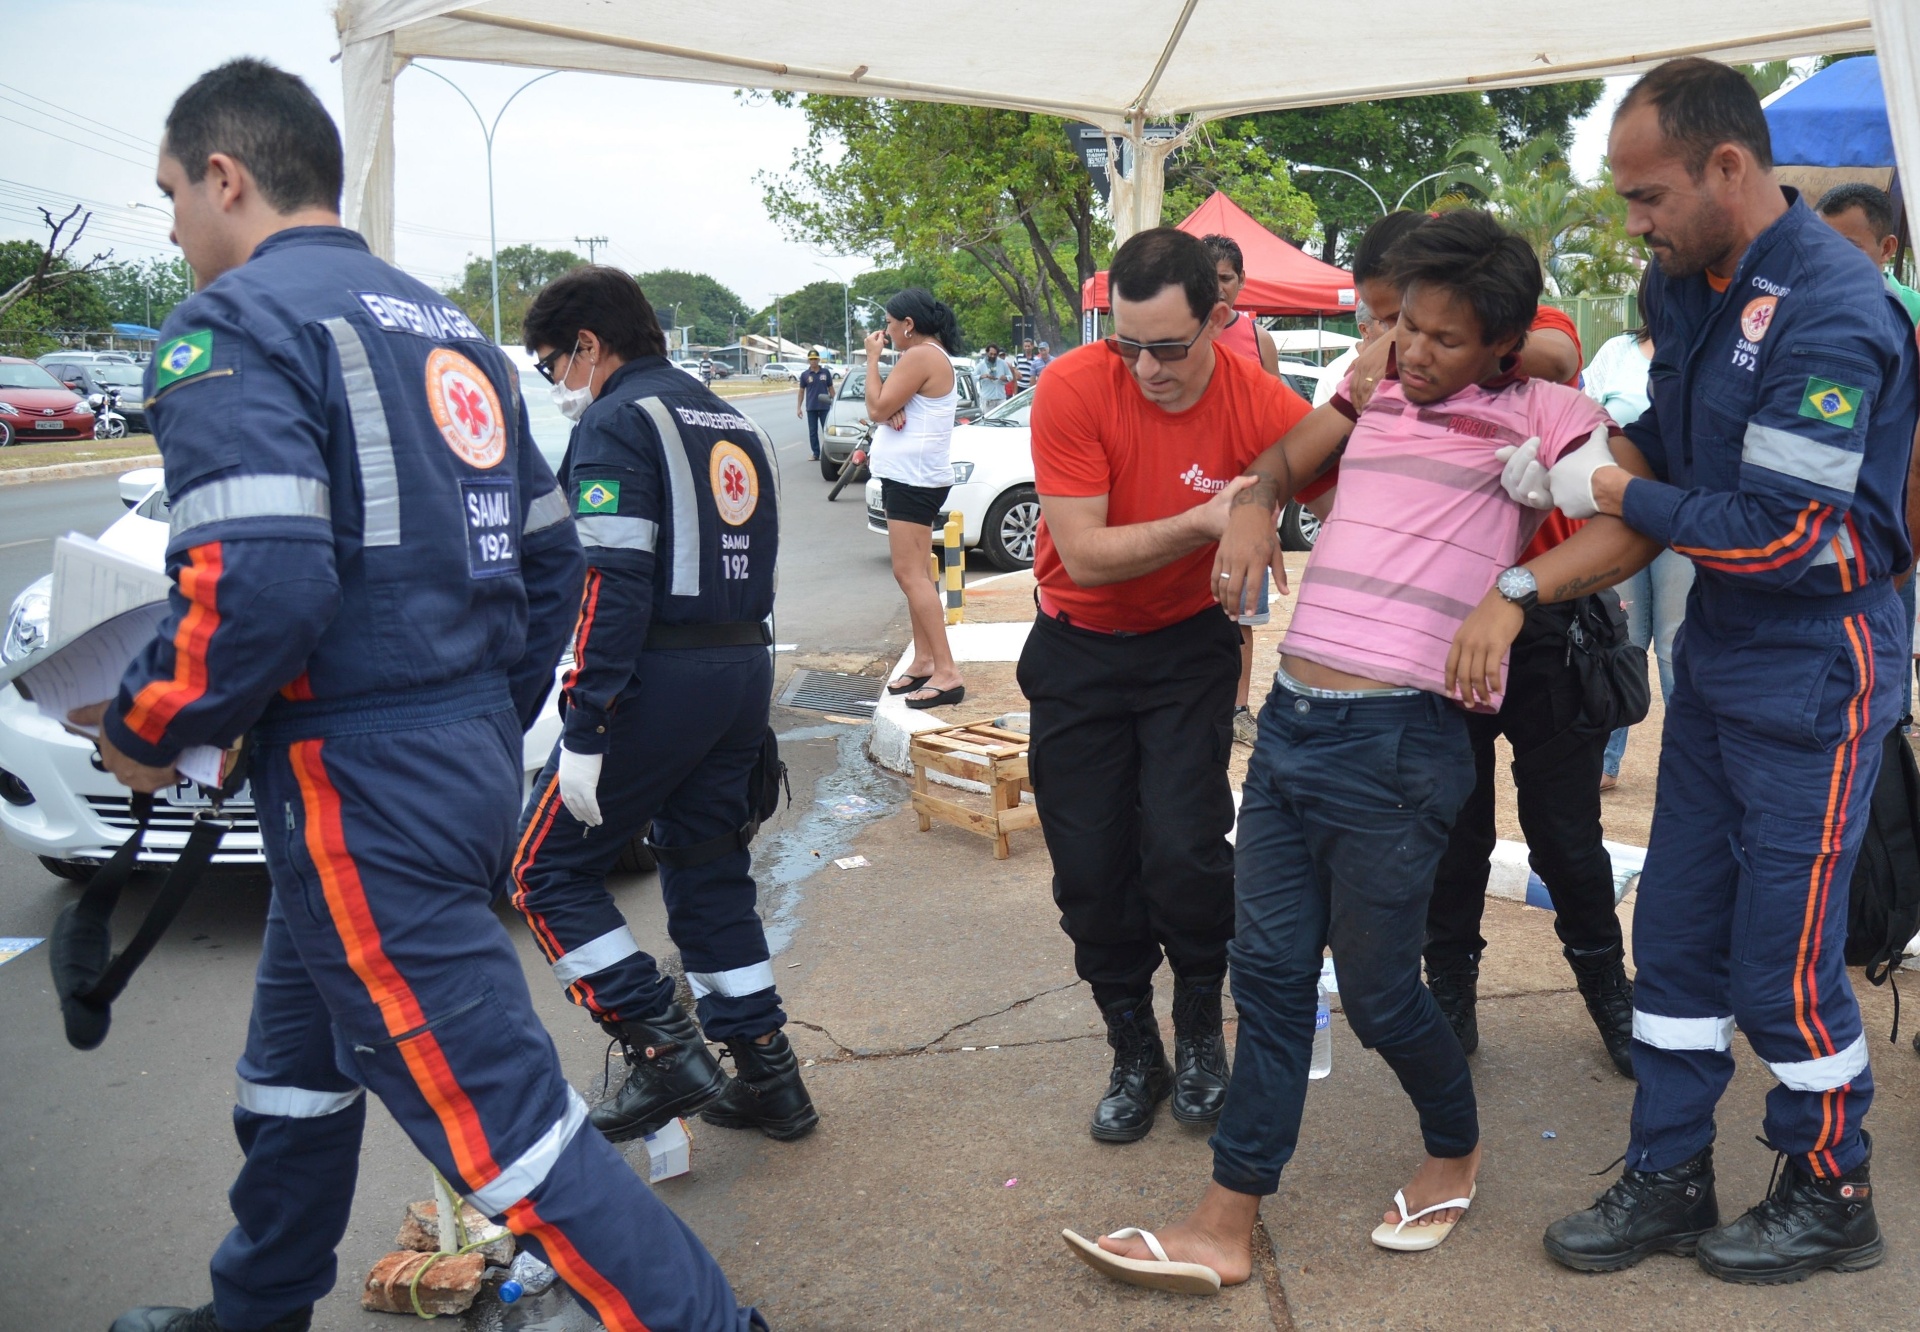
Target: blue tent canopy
{"x":136,"y":331}
{"x":1837,"y":118}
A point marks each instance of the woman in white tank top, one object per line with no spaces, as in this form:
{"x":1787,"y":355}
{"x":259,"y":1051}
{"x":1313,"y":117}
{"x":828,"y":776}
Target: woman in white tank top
{"x":910,"y":456}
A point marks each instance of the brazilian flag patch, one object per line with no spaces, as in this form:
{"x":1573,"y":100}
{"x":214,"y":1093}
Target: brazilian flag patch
{"x":183,"y":358}
{"x":599,"y":497}
{"x":1833,"y":403}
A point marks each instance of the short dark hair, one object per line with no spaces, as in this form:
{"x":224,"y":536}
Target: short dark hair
{"x":1703,"y":104}
{"x":267,"y":120}
{"x":1370,"y":255}
{"x":1225,"y":247}
{"x":605,"y":301}
{"x":1162,"y":257}
{"x":1480,"y":262}
{"x":1875,"y":202}
{"x":931,"y":318}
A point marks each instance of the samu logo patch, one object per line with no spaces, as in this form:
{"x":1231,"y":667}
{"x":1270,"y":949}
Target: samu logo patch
{"x":599,"y":497}
{"x":1836,"y":404}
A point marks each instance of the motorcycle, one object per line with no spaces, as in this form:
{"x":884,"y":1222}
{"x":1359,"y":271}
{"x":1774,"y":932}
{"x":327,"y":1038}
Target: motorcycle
{"x":854,"y":469}
{"x":107,"y":423}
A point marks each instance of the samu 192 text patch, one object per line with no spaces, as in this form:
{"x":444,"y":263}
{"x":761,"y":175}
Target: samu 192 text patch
{"x":599,"y":497}
{"x":1836,"y":404}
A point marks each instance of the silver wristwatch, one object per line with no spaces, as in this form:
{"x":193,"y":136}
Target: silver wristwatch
{"x":1518,"y":586}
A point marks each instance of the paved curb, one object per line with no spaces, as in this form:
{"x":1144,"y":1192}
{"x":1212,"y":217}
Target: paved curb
{"x":21,"y":476}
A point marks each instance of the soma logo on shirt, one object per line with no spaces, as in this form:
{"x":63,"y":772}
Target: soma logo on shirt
{"x":1198,"y":480}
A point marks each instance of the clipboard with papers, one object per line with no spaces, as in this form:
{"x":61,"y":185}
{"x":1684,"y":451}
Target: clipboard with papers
{"x":106,"y":607}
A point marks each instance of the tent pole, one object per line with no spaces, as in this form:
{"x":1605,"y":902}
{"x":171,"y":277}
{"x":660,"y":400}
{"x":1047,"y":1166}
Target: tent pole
{"x":1138,"y":136}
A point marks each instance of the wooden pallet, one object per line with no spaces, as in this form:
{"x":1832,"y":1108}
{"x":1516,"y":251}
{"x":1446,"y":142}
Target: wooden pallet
{"x":981,"y":752}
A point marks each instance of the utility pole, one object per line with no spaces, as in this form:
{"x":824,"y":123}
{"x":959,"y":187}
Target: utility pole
{"x":593,"y":244}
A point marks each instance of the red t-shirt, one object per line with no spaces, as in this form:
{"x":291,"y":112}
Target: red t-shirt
{"x":1558,"y":527}
{"x":1095,"y":434}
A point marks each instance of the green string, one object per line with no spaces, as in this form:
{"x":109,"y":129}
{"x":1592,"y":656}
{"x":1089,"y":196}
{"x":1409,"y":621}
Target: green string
{"x":460,"y":1237}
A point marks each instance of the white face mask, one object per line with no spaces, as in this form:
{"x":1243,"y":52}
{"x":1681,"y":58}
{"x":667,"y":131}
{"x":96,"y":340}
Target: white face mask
{"x":572,"y":403}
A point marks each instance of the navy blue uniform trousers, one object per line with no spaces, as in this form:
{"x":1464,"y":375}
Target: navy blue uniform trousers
{"x":682,"y":744}
{"x":385,"y":968}
{"x":1767,"y":765}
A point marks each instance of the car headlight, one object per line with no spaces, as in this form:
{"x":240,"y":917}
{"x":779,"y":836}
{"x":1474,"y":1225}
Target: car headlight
{"x":843,"y":431}
{"x":27,"y":621}
{"x":962,"y":473}
{"x":9,"y":409}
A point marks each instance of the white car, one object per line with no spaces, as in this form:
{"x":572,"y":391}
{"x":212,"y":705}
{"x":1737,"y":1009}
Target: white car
{"x":992,"y":485}
{"x":56,"y":802}
{"x":780,"y":370}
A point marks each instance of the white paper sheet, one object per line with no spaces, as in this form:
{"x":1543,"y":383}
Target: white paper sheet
{"x":93,"y":583}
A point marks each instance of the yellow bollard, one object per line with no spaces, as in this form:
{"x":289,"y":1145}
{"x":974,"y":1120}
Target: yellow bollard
{"x":953,"y":557}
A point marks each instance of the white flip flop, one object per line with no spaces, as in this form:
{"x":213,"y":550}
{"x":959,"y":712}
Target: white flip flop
{"x":1161,"y":1274}
{"x":1420,"y":1238}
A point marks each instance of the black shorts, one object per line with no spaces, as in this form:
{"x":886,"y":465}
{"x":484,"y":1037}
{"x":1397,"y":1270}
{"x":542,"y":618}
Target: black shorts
{"x":919,"y":505}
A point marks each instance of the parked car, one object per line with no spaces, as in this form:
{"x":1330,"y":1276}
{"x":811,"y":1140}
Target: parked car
{"x":718,"y":369}
{"x":1299,"y":529}
{"x":56,"y":803}
{"x":36,"y":406}
{"x":90,"y":377}
{"x":781,"y":370}
{"x":850,"y":409}
{"x":551,"y":431}
{"x":94,"y":357}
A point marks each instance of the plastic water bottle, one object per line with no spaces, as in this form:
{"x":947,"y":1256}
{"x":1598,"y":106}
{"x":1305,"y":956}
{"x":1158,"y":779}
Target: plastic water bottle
{"x":1322,"y":1036}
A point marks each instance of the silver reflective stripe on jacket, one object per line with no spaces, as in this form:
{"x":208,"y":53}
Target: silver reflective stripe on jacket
{"x":373,"y":444}
{"x":682,"y":499}
{"x":292,"y":1102}
{"x":260,"y":496}
{"x":609,"y":531}
{"x":547,"y":511}
{"x":530,"y":1169}
{"x":1801,"y":457}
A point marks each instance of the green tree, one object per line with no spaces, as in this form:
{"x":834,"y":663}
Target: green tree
{"x":524,"y":269}
{"x":1233,"y":159}
{"x":67,"y":298}
{"x":986,"y":201}
{"x":145,"y":293}
{"x":1549,"y":109}
{"x":1769,"y":78}
{"x":1577,"y":230}
{"x":712,"y":314}
{"x":815,"y":313}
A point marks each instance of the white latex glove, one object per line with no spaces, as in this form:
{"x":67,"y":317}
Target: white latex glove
{"x":1523,"y":477}
{"x":1571,"y":479}
{"x":579,"y":783}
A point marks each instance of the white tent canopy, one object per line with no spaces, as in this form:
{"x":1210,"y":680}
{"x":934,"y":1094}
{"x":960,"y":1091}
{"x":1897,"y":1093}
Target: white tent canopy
{"x":1116,"y":64}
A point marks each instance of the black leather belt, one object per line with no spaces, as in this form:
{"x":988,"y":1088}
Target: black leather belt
{"x":734,"y":633}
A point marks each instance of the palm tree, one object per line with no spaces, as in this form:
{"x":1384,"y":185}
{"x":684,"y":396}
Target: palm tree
{"x":1533,"y":192}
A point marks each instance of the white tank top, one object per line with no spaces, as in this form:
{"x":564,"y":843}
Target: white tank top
{"x":918,"y":455}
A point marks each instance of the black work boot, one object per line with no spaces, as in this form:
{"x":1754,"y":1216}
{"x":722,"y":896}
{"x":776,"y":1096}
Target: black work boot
{"x":170,"y":1318}
{"x":670,"y":1072}
{"x":1602,"y":978}
{"x":1141,"y":1078}
{"x":1646,"y":1211}
{"x":1200,"y":1071}
{"x":1804,"y":1225}
{"x":766,"y":1091}
{"x":1455,"y":984}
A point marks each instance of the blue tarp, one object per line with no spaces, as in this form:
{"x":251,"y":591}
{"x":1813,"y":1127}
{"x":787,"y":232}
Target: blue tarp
{"x":136,"y":331}
{"x":1837,"y":118}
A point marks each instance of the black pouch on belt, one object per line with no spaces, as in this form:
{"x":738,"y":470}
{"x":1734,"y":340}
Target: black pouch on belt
{"x":86,"y":974}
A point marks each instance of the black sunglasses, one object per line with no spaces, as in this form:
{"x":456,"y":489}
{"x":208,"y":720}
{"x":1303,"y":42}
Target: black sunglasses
{"x":545,"y":365}
{"x":1129,"y":350}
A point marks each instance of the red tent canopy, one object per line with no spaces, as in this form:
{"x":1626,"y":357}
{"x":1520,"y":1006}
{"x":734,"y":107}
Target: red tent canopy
{"x":1281,"y":279}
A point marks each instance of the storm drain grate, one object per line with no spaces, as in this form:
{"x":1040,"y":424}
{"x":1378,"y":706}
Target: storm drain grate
{"x":832,"y":691}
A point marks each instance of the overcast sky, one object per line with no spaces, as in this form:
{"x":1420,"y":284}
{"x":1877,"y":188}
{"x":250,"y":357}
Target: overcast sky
{"x":664,"y":171}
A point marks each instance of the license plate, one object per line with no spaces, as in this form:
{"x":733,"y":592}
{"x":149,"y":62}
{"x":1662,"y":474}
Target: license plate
{"x":49,"y":425}
{"x":188,"y":795}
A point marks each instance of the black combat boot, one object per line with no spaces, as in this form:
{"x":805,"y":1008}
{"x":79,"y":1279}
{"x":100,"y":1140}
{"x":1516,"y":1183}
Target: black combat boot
{"x":1455,"y":983}
{"x":1199,"y":1050}
{"x":1602,"y":978}
{"x":1804,"y":1225}
{"x":1646,"y":1211}
{"x":766,"y":1091}
{"x":670,"y":1072}
{"x":1141,"y":1078}
{"x":168,"y":1318}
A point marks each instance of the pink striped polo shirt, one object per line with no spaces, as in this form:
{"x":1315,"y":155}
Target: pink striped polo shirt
{"x":1421,"y":527}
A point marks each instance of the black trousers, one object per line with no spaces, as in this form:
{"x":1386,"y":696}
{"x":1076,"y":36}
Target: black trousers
{"x":1556,"y":777}
{"x":1128,"y":761}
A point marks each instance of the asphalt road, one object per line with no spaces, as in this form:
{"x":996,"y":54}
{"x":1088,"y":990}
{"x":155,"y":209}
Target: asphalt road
{"x":115,"y":1163}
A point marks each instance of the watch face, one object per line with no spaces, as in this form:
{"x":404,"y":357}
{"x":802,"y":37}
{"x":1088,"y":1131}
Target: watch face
{"x":1515,"y":583}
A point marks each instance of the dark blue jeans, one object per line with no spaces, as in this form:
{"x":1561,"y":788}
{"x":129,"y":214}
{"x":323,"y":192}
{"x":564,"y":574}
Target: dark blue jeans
{"x":1343,"y":820}
{"x":816,"y":418}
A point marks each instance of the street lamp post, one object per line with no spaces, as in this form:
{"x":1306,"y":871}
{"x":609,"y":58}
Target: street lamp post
{"x":1341,"y":171}
{"x":486,"y":130}
{"x":846,"y":314}
{"x":1416,"y":185}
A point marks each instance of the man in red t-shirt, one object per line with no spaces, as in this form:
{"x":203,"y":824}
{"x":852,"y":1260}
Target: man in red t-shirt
{"x":1556,"y":760}
{"x":1138,"y":448}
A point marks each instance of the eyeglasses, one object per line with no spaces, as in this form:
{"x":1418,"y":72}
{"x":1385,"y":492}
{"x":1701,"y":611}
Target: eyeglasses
{"x":545,"y":365}
{"x":1129,"y":350}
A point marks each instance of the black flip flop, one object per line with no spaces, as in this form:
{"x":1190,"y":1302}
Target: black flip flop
{"x":913,"y":682}
{"x":944,"y":699}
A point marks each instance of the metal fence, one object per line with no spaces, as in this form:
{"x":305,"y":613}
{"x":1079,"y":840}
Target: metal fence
{"x":1597,"y":318}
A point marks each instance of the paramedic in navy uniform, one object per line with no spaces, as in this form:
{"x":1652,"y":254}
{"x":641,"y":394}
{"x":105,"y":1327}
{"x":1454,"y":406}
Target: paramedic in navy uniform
{"x":374,"y":574}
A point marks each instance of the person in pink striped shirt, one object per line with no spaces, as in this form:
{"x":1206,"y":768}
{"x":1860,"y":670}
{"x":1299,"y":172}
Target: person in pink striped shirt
{"x":1363,"y":758}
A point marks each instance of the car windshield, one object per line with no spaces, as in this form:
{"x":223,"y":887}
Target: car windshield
{"x":27,"y":377}
{"x":1015,"y":411}
{"x":120,"y":376}
{"x":854,"y":386}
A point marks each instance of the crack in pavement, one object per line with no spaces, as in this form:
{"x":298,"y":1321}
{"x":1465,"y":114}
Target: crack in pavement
{"x":847,"y":1052}
{"x":1266,"y":1261}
